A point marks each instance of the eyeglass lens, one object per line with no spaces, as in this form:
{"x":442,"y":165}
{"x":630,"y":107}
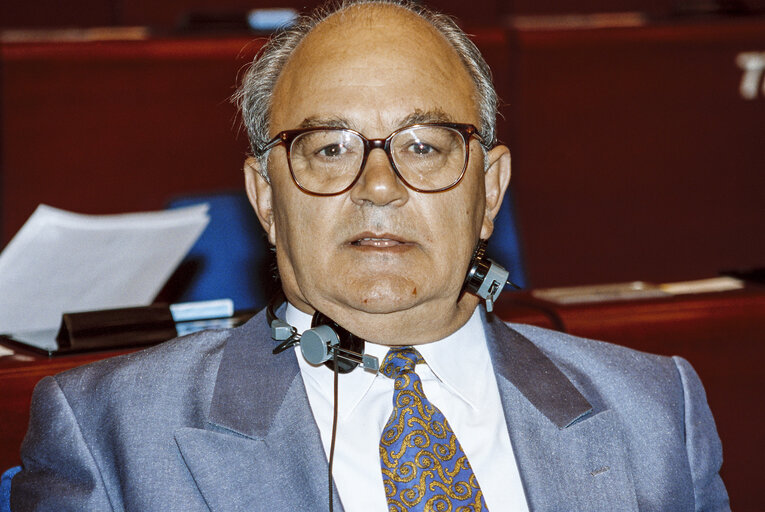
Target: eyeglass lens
{"x":426,"y":157}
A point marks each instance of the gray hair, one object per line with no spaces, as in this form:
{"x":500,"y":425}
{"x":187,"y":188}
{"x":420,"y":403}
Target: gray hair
{"x":254,"y":95}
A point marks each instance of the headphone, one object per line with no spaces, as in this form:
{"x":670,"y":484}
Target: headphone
{"x":327,"y":342}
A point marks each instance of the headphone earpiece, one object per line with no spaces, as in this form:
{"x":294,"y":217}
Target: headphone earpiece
{"x":485,"y":277}
{"x":324,"y":342}
{"x":346,"y":341}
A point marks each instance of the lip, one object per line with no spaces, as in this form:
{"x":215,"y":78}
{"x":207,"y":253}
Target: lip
{"x":378,"y":241}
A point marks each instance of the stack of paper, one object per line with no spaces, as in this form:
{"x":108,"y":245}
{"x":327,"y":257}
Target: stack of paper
{"x":66,"y":262}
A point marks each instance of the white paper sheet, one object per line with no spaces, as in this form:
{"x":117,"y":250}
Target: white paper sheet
{"x":67,"y":262}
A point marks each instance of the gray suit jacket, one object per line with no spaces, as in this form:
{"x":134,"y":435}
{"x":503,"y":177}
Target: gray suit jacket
{"x":214,"y":421}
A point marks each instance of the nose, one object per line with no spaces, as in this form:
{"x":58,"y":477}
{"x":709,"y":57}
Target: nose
{"x":378,"y":184}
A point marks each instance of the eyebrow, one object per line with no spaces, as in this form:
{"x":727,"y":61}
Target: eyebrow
{"x":416,"y":117}
{"x":330,"y":122}
{"x":426,"y":116}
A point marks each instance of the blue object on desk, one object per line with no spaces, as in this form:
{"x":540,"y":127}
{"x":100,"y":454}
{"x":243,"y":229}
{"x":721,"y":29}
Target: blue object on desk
{"x":5,"y":488}
{"x":271,"y":19}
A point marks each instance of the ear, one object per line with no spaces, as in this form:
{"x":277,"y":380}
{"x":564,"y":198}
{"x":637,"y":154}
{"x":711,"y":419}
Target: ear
{"x":260,"y":194}
{"x":496,"y":180}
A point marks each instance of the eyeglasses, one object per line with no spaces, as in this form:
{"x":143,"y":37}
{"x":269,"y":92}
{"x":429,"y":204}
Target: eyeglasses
{"x":329,"y":161}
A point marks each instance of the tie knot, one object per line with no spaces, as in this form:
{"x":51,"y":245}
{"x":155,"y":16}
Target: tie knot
{"x":400,"y":360}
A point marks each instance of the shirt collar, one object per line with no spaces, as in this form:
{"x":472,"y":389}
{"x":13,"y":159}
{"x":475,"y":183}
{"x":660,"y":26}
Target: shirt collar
{"x":458,"y":358}
{"x":454,"y":360}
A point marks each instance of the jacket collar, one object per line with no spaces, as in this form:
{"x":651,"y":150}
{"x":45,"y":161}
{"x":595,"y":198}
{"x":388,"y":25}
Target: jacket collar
{"x":570,"y":454}
{"x":252,"y":382}
{"x":523,"y":364}
{"x":261,"y":448}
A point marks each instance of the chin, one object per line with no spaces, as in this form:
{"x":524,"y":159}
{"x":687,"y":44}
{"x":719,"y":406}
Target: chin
{"x":383,"y":294}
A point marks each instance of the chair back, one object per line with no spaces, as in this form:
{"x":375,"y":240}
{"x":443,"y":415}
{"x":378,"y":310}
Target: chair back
{"x":5,"y":488}
{"x":231,"y":258}
{"x":505,"y":243}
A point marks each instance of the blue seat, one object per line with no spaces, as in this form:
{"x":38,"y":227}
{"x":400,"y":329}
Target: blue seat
{"x":232,"y":259}
{"x":5,"y":488}
{"x":505,"y":246}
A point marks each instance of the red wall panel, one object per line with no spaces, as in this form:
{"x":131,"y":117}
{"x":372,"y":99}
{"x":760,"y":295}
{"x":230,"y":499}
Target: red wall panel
{"x":635,"y":156}
{"x":118,"y":126}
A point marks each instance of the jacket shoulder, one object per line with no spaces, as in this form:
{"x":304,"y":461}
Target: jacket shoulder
{"x":628,"y":381}
{"x":596,"y":356}
{"x":167,"y":361}
{"x":173,"y":381}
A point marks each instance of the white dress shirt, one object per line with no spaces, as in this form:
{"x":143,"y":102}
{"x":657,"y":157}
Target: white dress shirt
{"x":458,"y":379}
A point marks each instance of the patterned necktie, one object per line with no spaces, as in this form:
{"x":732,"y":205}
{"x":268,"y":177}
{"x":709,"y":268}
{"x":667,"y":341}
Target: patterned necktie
{"x":423,"y":465}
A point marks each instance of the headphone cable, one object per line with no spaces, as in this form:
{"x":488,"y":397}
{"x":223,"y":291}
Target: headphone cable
{"x":334,"y":431}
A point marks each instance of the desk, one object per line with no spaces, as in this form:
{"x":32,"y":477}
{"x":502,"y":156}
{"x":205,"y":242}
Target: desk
{"x":721,"y":334}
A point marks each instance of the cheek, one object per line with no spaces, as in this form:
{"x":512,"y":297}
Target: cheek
{"x":466,"y":220}
{"x":302,"y":229}
{"x":288,"y":215}
{"x":462,"y":214}
{"x":456,"y":231}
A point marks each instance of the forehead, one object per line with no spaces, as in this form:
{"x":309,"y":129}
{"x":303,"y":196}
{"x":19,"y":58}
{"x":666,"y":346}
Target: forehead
{"x":372,"y":66}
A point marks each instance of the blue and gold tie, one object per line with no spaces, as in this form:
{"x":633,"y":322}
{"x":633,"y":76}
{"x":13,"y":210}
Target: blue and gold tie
{"x":423,"y":465}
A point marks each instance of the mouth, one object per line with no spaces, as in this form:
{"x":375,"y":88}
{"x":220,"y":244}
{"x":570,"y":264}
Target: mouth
{"x":379,"y":241}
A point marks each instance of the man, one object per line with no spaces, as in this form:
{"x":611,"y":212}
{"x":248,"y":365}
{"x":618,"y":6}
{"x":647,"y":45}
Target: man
{"x":378,"y":237}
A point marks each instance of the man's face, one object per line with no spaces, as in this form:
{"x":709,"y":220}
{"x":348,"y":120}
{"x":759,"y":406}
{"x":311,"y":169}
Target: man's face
{"x":382,"y":260}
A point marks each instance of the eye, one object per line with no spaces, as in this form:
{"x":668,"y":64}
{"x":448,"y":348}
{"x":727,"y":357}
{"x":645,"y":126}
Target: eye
{"x":421,"y":148}
{"x":332,"y":150}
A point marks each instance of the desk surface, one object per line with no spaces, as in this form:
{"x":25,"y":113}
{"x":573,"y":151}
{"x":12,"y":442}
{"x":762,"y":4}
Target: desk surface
{"x":721,"y":334}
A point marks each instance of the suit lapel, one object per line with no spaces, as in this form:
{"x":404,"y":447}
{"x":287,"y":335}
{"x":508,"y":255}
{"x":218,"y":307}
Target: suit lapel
{"x":570,"y":455}
{"x":261,"y":449}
